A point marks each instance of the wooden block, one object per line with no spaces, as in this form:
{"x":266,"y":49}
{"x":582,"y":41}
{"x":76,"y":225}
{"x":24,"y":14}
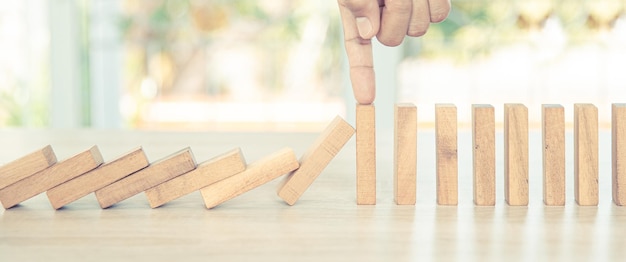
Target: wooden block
{"x":365,"y":155}
{"x":447,"y":156}
{"x":618,"y":134}
{"x":516,"y":154}
{"x":586,"y":154}
{"x":50,"y":177}
{"x":405,"y":154}
{"x":484,"y":154}
{"x":163,"y":170}
{"x":207,"y":173}
{"x":100,"y":177}
{"x":316,"y":158}
{"x":553,"y":134}
{"x":26,"y":166}
{"x":257,"y":174}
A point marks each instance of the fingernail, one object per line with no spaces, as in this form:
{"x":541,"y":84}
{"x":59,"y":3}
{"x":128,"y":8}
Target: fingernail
{"x":364,"y":26}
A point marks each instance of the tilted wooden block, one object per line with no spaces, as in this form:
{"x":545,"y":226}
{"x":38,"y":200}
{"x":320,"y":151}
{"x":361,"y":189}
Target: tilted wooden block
{"x":163,"y":170}
{"x":446,"y":155}
{"x":365,"y":155}
{"x":484,"y":154}
{"x":207,"y":173}
{"x":586,"y":154}
{"x":618,"y":134}
{"x":100,"y":177}
{"x":516,"y":154}
{"x":553,"y":134}
{"x":313,"y":162}
{"x":257,"y":174}
{"x":26,"y":166}
{"x":405,"y":154}
{"x":50,"y":177}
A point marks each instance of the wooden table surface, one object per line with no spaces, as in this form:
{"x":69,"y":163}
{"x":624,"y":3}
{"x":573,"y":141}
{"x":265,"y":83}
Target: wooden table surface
{"x":325,"y":224}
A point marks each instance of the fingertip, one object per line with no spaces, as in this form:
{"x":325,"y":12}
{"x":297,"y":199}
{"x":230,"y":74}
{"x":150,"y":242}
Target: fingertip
{"x":363,"y":84}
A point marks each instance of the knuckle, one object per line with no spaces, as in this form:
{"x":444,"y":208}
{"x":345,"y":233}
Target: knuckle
{"x":417,"y":29}
{"x":355,"y":4}
{"x":398,"y":6}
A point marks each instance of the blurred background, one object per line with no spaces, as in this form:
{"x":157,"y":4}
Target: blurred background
{"x":280,"y":65}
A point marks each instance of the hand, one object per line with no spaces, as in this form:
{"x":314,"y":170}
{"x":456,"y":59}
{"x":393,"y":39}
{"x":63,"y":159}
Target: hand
{"x":390,"y":21}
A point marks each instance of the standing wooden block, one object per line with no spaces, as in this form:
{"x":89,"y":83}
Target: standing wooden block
{"x":618,"y":134}
{"x":484,"y":154}
{"x":207,"y":173}
{"x":50,"y":177}
{"x":447,"y":156}
{"x":365,"y":155}
{"x":405,"y":154}
{"x":257,"y":174}
{"x":553,"y":134}
{"x":586,"y":154}
{"x":163,"y":170}
{"x":26,"y":166}
{"x":313,"y":162}
{"x":100,"y":177}
{"x":516,"y":154}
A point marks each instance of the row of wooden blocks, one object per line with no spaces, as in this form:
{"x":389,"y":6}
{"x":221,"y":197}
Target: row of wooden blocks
{"x":227,"y":176}
{"x":218,"y":179}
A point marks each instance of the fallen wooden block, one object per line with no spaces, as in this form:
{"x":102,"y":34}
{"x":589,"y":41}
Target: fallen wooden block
{"x":257,"y":174}
{"x":313,"y":162}
{"x":586,"y":154}
{"x":553,"y":134}
{"x":405,"y":154}
{"x":207,"y":173}
{"x":158,"y":172}
{"x":516,"y":154}
{"x":98,"y":178}
{"x":365,"y":155}
{"x":618,"y":134}
{"x":50,"y":177}
{"x":446,"y":155}
{"x":484,"y":154}
{"x":26,"y":166}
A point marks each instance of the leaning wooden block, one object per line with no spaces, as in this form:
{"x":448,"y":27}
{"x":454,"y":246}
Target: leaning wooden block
{"x":484,"y":154}
{"x":365,"y":155}
{"x":446,"y":155}
{"x":100,"y":177}
{"x":586,"y":154}
{"x":516,"y":154}
{"x":207,"y":173}
{"x":257,"y":174}
{"x":618,"y":134}
{"x":26,"y":166}
{"x":316,"y":159}
{"x":50,"y":177}
{"x":553,"y":133}
{"x":163,"y":170}
{"x":405,"y":154}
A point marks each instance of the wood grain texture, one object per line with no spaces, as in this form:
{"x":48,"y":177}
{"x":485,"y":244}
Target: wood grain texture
{"x":365,"y":155}
{"x":405,"y":154}
{"x":484,"y":154}
{"x":257,"y":174}
{"x":446,"y":154}
{"x":163,"y":170}
{"x":315,"y":160}
{"x":586,"y":154}
{"x":98,"y":178}
{"x":553,"y":157}
{"x":207,"y":173}
{"x":618,"y":149}
{"x":50,"y":177}
{"x":516,"y":154}
{"x":26,"y":166}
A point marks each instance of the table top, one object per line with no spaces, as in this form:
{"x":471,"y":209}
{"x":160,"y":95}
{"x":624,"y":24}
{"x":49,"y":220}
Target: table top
{"x":324,"y":224}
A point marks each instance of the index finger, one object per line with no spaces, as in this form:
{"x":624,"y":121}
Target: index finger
{"x":360,"y":58}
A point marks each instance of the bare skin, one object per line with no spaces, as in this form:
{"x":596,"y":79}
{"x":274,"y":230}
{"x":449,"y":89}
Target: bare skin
{"x":390,"y":21}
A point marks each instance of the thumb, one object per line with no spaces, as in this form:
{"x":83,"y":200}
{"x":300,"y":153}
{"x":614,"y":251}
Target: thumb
{"x":365,"y":15}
